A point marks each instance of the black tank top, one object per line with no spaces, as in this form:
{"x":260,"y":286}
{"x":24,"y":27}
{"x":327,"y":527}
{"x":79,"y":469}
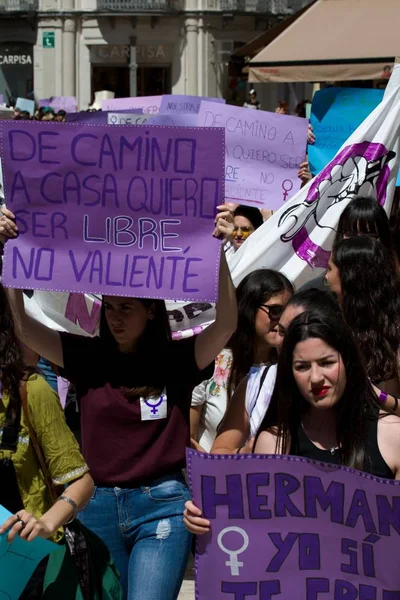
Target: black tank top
{"x":373,"y":463}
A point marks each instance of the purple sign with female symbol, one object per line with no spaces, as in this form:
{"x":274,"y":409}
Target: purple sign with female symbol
{"x":286,"y":528}
{"x":126,"y":211}
{"x":263,"y":152}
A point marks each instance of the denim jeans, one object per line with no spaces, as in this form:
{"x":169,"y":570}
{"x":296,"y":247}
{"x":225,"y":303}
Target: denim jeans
{"x":143,"y":528}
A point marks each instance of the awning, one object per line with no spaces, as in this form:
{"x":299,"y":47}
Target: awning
{"x":257,"y":44}
{"x":333,"y":40}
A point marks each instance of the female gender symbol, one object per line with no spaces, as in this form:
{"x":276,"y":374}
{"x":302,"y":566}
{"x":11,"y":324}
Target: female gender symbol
{"x":233,"y":561}
{"x":153,"y":407}
{"x":286,"y":189}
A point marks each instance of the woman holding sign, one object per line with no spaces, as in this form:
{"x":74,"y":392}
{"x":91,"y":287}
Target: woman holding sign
{"x":324,"y":407}
{"x":134,"y":387}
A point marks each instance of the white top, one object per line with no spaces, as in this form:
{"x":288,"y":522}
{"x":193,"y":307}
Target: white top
{"x":212,"y":395}
{"x":257,"y":400}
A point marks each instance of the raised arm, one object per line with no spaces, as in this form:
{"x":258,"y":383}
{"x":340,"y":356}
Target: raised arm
{"x":213,"y":339}
{"x":43,"y":340}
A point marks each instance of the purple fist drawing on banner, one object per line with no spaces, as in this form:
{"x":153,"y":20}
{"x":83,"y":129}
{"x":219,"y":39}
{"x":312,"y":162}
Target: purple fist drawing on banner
{"x":358,"y":170}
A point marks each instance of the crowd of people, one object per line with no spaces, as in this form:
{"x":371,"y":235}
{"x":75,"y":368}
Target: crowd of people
{"x":43,"y":113}
{"x":312,"y":372}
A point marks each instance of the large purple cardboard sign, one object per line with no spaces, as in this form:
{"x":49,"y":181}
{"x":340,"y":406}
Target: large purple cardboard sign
{"x":263,"y":153}
{"x":113,"y":210}
{"x":286,"y":528}
{"x":190,"y":105}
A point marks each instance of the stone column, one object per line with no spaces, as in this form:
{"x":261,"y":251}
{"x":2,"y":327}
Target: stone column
{"x":191,"y":56}
{"x":69,"y":57}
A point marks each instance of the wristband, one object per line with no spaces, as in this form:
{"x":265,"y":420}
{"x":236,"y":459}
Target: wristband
{"x":71,"y":503}
{"x":383,"y":397}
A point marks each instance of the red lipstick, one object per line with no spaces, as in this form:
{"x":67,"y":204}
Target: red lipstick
{"x":320,"y":392}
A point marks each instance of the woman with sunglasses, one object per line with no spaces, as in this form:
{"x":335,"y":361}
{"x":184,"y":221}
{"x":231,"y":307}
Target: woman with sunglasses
{"x":243,"y":223}
{"x":262,"y":297}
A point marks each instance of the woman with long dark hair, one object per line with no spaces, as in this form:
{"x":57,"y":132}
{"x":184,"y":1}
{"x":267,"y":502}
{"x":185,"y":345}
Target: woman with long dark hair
{"x":252,"y":396}
{"x":324,"y":407}
{"x":261,"y":298}
{"x":363,"y":276}
{"x":362,"y":217}
{"x":134,"y":388}
{"x":29,"y":406}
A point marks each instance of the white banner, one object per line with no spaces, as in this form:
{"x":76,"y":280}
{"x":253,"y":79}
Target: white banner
{"x":297,"y":239}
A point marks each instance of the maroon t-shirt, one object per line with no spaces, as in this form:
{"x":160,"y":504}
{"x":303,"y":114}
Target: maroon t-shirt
{"x":127,"y":443}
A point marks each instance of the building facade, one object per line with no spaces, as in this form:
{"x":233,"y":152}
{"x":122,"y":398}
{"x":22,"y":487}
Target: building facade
{"x":129,"y":47}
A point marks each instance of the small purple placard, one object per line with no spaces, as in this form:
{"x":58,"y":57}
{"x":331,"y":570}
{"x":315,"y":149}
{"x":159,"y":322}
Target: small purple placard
{"x":181,"y":105}
{"x":113,"y":210}
{"x":148,"y":104}
{"x":287,"y":528}
{"x":263,"y":153}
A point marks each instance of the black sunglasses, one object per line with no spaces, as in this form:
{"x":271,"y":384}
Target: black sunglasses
{"x":274,"y":311}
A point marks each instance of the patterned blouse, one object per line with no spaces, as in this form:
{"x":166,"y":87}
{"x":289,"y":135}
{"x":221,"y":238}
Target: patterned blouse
{"x":58,"y":444}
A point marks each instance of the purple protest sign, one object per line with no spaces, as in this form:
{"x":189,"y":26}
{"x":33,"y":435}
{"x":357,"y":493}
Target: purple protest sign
{"x":67,"y":103}
{"x":263,"y":153}
{"x":148,"y":104}
{"x":287,"y":528}
{"x":101,"y":117}
{"x":113,"y":210}
{"x":173,"y":120}
{"x":179,"y":105}
{"x":121,"y":118}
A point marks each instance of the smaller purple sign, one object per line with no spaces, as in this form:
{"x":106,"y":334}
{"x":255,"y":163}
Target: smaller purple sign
{"x":189,"y":105}
{"x":287,"y":528}
{"x":148,"y":104}
{"x":126,"y":211}
{"x":262,"y":154}
{"x":99,"y":116}
{"x":126,"y":118}
{"x":67,"y":103}
{"x":173,"y":120}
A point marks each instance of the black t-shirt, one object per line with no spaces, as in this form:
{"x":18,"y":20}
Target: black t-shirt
{"x":127,"y":443}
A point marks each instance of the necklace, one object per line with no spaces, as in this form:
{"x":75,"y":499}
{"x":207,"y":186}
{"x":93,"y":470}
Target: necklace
{"x":332,"y":450}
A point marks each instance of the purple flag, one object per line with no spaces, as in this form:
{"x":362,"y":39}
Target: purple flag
{"x":113,"y":210}
{"x":263,"y":153}
{"x":287,"y":528}
{"x":180,"y":105}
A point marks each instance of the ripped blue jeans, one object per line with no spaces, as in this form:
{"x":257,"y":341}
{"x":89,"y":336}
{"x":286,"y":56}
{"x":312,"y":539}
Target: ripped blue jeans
{"x":143,"y":528}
